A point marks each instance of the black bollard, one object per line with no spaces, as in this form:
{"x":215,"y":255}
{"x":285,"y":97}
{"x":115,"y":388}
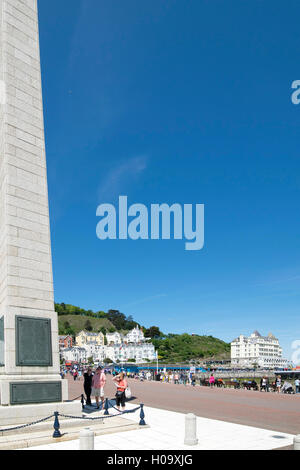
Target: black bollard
{"x":56,"y":426}
{"x":106,"y":407}
{"x":142,"y":416}
{"x":82,"y":401}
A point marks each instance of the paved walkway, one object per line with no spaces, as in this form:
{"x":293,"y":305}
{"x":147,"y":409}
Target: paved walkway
{"x":166,"y":432}
{"x":271,"y":411}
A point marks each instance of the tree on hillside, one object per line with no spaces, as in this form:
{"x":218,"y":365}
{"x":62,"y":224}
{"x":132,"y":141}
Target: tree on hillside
{"x":66,"y":329}
{"x":101,"y":314}
{"x":153,"y":332}
{"x":88,"y":326}
{"x":120,"y":321}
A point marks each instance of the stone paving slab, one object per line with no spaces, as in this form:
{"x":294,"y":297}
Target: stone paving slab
{"x":166,"y":432}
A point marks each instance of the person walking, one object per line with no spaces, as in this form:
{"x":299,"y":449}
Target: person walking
{"x":278,"y":383}
{"x":121,"y":384}
{"x":87,"y":385}
{"x":264,"y":384}
{"x":98,"y":384}
{"x":212,"y":380}
{"x":297,"y":385}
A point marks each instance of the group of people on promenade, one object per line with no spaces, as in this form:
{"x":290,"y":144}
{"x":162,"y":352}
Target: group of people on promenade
{"x":278,"y":386}
{"x":95,"y":381}
{"x":94,"y":386}
{"x":185,"y":378}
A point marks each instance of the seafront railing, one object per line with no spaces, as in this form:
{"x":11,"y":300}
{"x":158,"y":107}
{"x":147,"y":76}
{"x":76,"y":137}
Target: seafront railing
{"x":235,"y":375}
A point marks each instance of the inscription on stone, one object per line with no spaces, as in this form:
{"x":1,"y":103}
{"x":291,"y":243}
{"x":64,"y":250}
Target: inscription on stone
{"x":33,"y":342}
{"x":24,"y":393}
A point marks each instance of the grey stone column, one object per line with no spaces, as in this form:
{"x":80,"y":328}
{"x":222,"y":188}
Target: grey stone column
{"x":29,"y":351}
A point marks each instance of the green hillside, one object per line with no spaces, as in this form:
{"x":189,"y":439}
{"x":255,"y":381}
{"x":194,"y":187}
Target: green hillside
{"x":72,"y":319}
{"x":73,"y":324}
{"x":177,"y":348}
{"x":171,"y":347}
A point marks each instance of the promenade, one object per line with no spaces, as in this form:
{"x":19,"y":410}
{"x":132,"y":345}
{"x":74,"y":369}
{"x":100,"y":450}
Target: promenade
{"x":271,"y":411}
{"x":166,"y":432}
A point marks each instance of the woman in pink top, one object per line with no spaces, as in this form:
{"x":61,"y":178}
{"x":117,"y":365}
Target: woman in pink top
{"x":98,"y":383}
{"x":212,"y":380}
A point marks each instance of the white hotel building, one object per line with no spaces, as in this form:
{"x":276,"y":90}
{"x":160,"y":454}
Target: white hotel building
{"x":132,"y":346}
{"x":264,"y":351}
{"x":119,"y":348}
{"x":74,"y":354}
{"x":121,"y":353}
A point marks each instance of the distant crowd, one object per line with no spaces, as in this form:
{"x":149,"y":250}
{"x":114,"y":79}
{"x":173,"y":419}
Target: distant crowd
{"x":94,"y":382}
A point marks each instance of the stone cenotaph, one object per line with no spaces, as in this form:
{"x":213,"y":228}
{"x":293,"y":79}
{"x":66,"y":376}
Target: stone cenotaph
{"x":30,"y":383}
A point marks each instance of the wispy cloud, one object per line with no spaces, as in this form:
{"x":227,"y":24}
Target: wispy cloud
{"x":146,"y":299}
{"x":279,"y":281}
{"x":118,"y":178}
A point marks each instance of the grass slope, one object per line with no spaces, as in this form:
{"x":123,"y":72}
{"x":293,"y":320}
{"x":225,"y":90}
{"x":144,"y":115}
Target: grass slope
{"x":186,"y":347}
{"x":77,"y":323}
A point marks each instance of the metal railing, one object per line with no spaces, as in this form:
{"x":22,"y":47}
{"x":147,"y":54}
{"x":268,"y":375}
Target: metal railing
{"x":108,"y":404}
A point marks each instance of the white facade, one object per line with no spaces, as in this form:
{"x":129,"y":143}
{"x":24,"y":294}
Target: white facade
{"x":95,"y":351}
{"x":114,"y":338}
{"x":119,"y":348}
{"x":135,"y":336}
{"x":114,"y":352}
{"x":75,"y":354}
{"x":139,"y":352}
{"x":265,"y":351}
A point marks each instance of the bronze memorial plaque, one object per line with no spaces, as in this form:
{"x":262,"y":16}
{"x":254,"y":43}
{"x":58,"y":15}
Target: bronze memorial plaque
{"x":22,"y":393}
{"x":33,"y":342}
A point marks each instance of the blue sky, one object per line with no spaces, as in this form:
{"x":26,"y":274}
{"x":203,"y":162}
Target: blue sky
{"x":177,"y":101}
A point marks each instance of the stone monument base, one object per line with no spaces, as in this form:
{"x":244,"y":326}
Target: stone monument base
{"x":32,"y":397}
{"x":31,"y":389}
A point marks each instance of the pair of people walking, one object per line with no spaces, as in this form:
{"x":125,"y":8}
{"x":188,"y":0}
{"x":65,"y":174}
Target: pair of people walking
{"x":94,"y":385}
